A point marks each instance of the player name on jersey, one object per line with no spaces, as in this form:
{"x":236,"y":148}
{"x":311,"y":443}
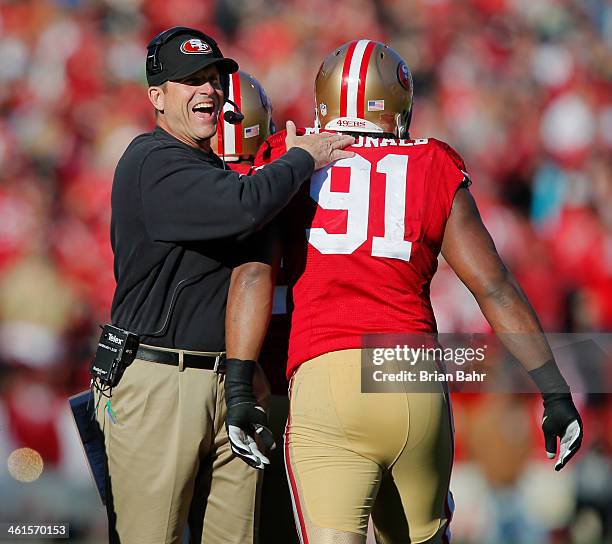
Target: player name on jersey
{"x":367,"y":141}
{"x":375,"y":141}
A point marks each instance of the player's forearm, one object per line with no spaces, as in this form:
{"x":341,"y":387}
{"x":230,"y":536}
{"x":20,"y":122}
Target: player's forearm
{"x":249,"y":305}
{"x":512,"y":318}
{"x":508,"y":311}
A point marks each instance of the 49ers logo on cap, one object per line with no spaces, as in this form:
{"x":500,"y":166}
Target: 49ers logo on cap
{"x":195,"y":46}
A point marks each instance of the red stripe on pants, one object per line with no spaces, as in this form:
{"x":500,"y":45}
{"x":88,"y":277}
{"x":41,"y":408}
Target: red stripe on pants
{"x":294,"y":491}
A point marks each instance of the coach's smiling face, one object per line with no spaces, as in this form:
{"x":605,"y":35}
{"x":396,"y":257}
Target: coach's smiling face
{"x":189,"y":108}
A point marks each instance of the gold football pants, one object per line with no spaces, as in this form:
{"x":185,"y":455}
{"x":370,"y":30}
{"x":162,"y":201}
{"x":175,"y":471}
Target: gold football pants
{"x":350,"y":455}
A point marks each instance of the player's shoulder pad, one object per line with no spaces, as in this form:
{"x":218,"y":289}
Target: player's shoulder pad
{"x":452,"y":155}
{"x":274,"y":147}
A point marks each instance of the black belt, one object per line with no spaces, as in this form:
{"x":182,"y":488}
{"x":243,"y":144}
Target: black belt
{"x":206,"y":362}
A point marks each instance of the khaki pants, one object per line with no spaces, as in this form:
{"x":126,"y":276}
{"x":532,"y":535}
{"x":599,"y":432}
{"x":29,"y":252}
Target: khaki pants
{"x":170,"y":463}
{"x":350,"y":455}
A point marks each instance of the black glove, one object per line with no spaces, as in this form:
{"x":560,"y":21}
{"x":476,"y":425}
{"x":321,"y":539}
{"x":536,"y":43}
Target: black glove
{"x":245,"y":418}
{"x":560,"y":419}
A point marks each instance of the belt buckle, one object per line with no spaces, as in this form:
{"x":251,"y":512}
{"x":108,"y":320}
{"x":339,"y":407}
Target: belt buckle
{"x":217,"y":362}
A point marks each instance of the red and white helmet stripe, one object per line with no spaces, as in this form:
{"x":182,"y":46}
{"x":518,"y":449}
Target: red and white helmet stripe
{"x":352,"y":91}
{"x":229,"y":137}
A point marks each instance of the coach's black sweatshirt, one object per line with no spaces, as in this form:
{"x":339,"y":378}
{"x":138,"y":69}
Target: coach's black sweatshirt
{"x":180,"y":223}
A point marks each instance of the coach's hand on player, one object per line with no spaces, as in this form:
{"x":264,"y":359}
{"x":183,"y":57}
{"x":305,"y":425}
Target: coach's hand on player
{"x":246,"y":421}
{"x":325,"y":147}
{"x":561,"y":419}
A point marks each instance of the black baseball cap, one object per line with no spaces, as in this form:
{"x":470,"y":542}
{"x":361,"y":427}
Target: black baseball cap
{"x":181,"y":51}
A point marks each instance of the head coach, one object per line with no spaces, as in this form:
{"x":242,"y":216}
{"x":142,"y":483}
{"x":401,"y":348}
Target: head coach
{"x":181,"y":223}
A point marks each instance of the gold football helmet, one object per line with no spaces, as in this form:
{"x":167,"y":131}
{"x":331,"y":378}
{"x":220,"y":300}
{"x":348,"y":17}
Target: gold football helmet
{"x":240,"y":141}
{"x":364,"y":86}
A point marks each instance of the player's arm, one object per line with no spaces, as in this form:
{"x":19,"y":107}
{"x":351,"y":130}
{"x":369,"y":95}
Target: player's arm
{"x":469,"y":250}
{"x":249,"y":305}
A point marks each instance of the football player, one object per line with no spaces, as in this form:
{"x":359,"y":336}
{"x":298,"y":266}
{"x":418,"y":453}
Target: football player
{"x":245,"y":125}
{"x":361,"y":248}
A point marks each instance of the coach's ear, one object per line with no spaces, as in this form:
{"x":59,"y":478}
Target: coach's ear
{"x":157,"y":97}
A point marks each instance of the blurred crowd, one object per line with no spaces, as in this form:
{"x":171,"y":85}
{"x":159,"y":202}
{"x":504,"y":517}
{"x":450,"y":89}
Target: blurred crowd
{"x":520,"y":88}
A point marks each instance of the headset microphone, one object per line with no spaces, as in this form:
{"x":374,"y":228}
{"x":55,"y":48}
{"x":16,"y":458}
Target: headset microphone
{"x":233,"y":117}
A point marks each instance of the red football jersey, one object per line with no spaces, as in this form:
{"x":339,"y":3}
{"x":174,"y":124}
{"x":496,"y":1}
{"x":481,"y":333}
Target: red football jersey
{"x":240,"y":167}
{"x":362,"y":241}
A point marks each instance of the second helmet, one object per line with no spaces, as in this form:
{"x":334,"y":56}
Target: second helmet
{"x":242,"y":140}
